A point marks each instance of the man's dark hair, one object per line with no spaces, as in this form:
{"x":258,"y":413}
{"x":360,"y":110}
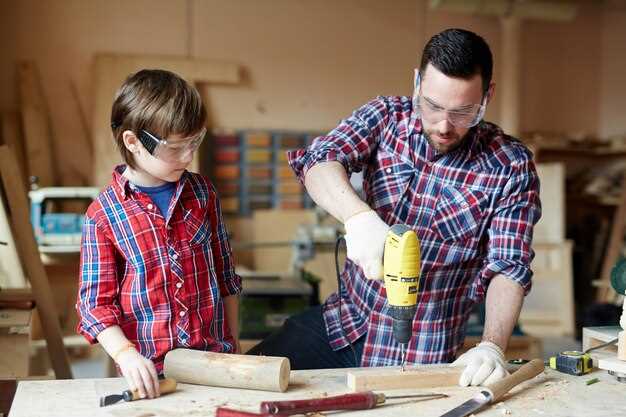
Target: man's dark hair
{"x":459,"y":53}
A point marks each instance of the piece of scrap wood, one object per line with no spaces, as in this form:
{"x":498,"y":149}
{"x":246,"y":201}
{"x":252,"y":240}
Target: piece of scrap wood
{"x":388,"y":378}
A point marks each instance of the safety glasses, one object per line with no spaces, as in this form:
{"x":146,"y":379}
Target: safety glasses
{"x":171,"y":150}
{"x":464,"y":117}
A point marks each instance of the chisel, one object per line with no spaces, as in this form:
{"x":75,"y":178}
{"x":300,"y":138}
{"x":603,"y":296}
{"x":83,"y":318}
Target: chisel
{"x":495,"y":391}
{"x":166,"y":385}
{"x":356,"y":401}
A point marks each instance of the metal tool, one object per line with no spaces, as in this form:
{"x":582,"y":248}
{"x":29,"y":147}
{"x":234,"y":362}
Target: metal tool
{"x":166,"y":385}
{"x":401,"y":266}
{"x":495,"y":391}
{"x":356,"y":401}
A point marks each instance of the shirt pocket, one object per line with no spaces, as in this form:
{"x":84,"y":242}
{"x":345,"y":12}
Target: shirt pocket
{"x":389,"y":179}
{"x":198,"y":226}
{"x":459,"y":213}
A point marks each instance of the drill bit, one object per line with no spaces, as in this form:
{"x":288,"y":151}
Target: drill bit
{"x":403,"y":356}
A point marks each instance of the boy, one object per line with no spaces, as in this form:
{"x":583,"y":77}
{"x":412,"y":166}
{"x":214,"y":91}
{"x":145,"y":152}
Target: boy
{"x":156,"y":266}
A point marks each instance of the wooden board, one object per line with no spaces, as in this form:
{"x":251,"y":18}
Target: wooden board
{"x":549,"y":308}
{"x":13,"y":137}
{"x":36,"y":123}
{"x":271,"y":226}
{"x":29,"y":255}
{"x":14,"y":342}
{"x":111,"y":71}
{"x":393,"y":378}
{"x":551,"y":226}
{"x":553,"y":394}
{"x":11,"y":273}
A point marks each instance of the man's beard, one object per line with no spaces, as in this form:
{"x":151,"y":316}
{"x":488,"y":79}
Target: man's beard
{"x":441,"y":148}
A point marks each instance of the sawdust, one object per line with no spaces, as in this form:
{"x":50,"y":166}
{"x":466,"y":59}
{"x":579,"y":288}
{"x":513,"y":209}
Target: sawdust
{"x":551,"y":389}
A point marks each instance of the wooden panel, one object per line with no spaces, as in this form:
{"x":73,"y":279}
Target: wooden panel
{"x":14,"y":342}
{"x":29,"y":254}
{"x":277,"y":259}
{"x":11,"y":272}
{"x":389,"y":378}
{"x":549,"y":307}
{"x":13,"y":137}
{"x":551,"y":226}
{"x":37,"y":128}
{"x":111,"y":71}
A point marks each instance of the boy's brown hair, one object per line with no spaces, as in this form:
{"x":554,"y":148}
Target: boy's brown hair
{"x":159,"y":102}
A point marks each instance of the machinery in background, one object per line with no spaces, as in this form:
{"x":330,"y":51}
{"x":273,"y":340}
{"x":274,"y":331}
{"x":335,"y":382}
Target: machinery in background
{"x":56,"y":227}
{"x":269,"y":298}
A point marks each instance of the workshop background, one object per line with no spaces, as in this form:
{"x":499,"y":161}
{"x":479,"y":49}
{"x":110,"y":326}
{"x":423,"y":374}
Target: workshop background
{"x":274,"y":74}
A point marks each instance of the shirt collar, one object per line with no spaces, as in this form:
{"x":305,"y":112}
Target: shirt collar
{"x":124,"y":186}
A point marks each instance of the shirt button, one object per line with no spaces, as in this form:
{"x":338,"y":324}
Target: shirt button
{"x":150,"y":206}
{"x":388,"y":170}
{"x":182,"y":313}
{"x":174,"y":256}
{"x":179,"y":285}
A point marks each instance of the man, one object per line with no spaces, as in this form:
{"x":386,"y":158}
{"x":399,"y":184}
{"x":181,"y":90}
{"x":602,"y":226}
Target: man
{"x":469,"y":191}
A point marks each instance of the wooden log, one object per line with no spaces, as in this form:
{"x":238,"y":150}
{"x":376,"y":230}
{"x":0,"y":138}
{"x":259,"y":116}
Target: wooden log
{"x":267,"y":373}
{"x":389,"y":378}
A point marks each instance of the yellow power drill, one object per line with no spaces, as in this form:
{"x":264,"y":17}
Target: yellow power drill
{"x":401,"y":266}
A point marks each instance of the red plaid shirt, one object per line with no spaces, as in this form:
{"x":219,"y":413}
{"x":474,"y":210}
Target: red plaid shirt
{"x":473,"y":210}
{"x":161,"y":280}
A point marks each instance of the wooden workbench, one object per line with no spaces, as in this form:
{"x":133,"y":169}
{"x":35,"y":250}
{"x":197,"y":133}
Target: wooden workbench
{"x":551,"y":394}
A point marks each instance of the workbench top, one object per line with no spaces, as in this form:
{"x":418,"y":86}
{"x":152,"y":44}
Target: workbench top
{"x":550,"y":394}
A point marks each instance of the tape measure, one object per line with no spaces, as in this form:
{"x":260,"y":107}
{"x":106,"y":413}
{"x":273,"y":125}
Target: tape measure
{"x":572,"y":362}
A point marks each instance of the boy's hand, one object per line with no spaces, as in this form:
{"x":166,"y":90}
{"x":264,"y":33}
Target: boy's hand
{"x":139,"y":372}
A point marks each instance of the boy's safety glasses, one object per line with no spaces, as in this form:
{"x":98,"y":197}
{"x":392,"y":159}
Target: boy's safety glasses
{"x":171,"y":150}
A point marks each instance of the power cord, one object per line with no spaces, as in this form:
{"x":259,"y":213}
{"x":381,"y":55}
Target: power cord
{"x":339,"y":287}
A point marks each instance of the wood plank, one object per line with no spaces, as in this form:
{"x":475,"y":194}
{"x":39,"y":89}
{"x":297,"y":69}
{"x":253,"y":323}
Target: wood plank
{"x":31,"y":262}
{"x":391,"y":378}
{"x":551,"y":227}
{"x":11,"y":272}
{"x":36,"y":124}
{"x":111,"y":71}
{"x":13,"y":137}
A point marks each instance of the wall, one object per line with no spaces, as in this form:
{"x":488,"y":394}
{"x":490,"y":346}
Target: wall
{"x":307,"y":64}
{"x":612,"y":69}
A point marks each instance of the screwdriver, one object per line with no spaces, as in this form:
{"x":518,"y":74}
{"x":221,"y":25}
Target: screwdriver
{"x":356,"y":401}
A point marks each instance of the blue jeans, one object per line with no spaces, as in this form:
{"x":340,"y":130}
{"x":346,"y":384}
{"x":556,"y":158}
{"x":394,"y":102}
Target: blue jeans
{"x":304,"y":340}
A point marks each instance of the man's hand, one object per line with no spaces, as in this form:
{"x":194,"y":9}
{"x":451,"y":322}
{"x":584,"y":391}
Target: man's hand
{"x":139,"y":372}
{"x":484,"y":365}
{"x":365,"y":241}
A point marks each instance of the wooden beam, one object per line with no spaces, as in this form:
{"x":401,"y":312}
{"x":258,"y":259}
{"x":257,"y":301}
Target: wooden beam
{"x":31,"y":262}
{"x":13,"y":137}
{"x":36,"y":124}
{"x":509,"y":89}
{"x":111,"y":71}
{"x":388,"y":378}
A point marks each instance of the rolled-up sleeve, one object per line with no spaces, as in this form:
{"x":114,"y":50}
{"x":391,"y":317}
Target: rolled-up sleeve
{"x":97,"y":304}
{"x":511,"y":231}
{"x":229,"y":282}
{"x":351,"y":143}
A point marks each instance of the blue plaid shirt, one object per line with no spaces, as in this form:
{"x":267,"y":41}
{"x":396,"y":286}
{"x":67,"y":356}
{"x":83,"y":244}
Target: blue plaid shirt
{"x":473,"y":210}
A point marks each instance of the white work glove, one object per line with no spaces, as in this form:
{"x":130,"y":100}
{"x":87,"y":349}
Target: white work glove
{"x":484,"y":365}
{"x":365,"y":242}
{"x":139,"y":373}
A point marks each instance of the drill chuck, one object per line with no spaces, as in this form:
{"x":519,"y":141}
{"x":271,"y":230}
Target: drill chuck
{"x":402,"y":327}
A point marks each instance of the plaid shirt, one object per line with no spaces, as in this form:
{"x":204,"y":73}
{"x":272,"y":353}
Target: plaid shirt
{"x":473,"y":210}
{"x":161,"y":280}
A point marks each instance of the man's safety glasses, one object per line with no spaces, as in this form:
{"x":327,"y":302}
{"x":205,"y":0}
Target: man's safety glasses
{"x":433,"y":113}
{"x":171,"y":151}
{"x":464,"y":117}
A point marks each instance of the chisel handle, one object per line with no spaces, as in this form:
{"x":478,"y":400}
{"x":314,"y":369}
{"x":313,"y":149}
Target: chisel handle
{"x":166,"y":385}
{"x":356,"y":401}
{"x":524,"y":373}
